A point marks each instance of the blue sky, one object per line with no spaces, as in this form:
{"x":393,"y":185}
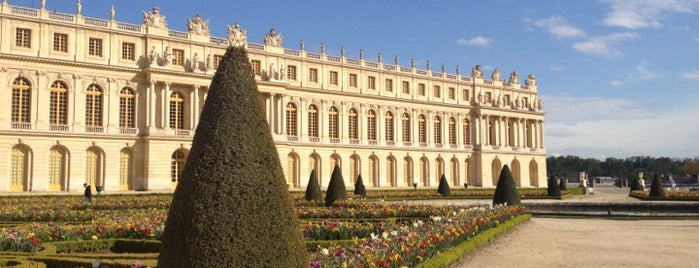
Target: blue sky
{"x":618,"y":78}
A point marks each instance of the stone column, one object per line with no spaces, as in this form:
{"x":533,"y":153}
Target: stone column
{"x":166,"y":105}
{"x":150,"y":105}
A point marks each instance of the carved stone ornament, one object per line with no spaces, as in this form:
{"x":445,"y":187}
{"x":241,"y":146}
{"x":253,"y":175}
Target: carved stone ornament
{"x":531,"y":80}
{"x":273,"y":39}
{"x":154,"y":19}
{"x":196,"y":25}
{"x":237,"y":36}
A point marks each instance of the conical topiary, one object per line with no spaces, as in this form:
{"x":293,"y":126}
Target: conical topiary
{"x":313,"y":191}
{"x":232,"y":207}
{"x":359,"y":188}
{"x":563,"y":186}
{"x":444,"y":189}
{"x":636,"y":184}
{"x":336,"y":188}
{"x":553,"y":187}
{"x":656,"y":188}
{"x":506,"y":192}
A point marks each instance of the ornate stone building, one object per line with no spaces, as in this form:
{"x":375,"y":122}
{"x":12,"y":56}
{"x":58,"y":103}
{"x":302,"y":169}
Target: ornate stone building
{"x":116,"y":104}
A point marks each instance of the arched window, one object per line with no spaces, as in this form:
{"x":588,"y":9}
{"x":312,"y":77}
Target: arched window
{"x":467,"y":132}
{"x":313,"y":122}
{"x":126,"y":170}
{"x":19,"y":169}
{"x":389,"y":127}
{"x":291,"y":119}
{"x":93,"y":106}
{"x":355,"y":168}
{"x":439,"y":168}
{"x":57,"y":168}
{"x":408,"y":171}
{"x":371,"y":125}
{"x":58,"y":106}
{"x":177,"y":161}
{"x":93,"y":166}
{"x":127,"y":106}
{"x":293,"y":170}
{"x":452,"y":131}
{"x":21,"y":103}
{"x":176,"y":111}
{"x":437,"y":130}
{"x":454,"y":171}
{"x":314,"y":164}
{"x":373,"y":171}
{"x":405,"y":119}
{"x":425,"y":171}
{"x":391,"y":171}
{"x":422,"y":129}
{"x":352,"y":124}
{"x":333,"y":122}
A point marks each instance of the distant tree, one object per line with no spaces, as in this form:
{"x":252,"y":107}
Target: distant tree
{"x":313,"y":191}
{"x":690,"y":167}
{"x":444,"y":189}
{"x":359,"y":188}
{"x":656,"y":188}
{"x":336,"y":189}
{"x":563,"y":185}
{"x":553,"y":187}
{"x":506,"y":192}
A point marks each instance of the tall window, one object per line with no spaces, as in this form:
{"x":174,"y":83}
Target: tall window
{"x":452,"y":131}
{"x":126,"y":169}
{"x":93,"y":166}
{"x":313,"y":121}
{"x":291,"y":119}
{"x":421,"y":89}
{"x":389,"y":127}
{"x":23,"y":38}
{"x":58,"y":104}
{"x":292,"y":170}
{"x":371,"y":82}
{"x":389,"y":85}
{"x":176,"y":111}
{"x":291,"y":72}
{"x":93,"y":106}
{"x":128,"y":51}
{"x":353,"y":80}
{"x":21,"y":101}
{"x":464,"y":94}
{"x":95,"y":47}
{"x":353,"y":124}
{"x":506,"y":100}
{"x":256,"y":67}
{"x":437,"y":130}
{"x":60,"y":42}
{"x":178,"y":57}
{"x":437,"y":92}
{"x":371,"y":125}
{"x":467,"y":132}
{"x":422,"y":132}
{"x":217,"y":60}
{"x":333,"y":78}
{"x":333,"y":122}
{"x":391,"y":171}
{"x":19,"y":168}
{"x":177,"y":161}
{"x":127,"y":112}
{"x":57,"y":168}
{"x":313,"y":75}
{"x":452,"y":93}
{"x":405,"y":119}
{"x":406,"y":87}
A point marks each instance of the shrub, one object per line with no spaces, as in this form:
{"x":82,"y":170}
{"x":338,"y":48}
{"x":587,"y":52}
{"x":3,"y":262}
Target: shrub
{"x":553,"y":187}
{"x":313,"y":191}
{"x":636,"y":184}
{"x":656,"y":188}
{"x":444,"y":189}
{"x":232,"y":207}
{"x":563,"y":186}
{"x":359,"y":188}
{"x":336,"y":188}
{"x":506,"y":191}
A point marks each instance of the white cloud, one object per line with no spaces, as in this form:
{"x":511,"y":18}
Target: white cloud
{"x":556,"y":68}
{"x":559,"y":27}
{"x":644,"y":73}
{"x":616,"y":83}
{"x":603,"y":46}
{"x":639,"y":14}
{"x":693,"y":74}
{"x":478,"y":41}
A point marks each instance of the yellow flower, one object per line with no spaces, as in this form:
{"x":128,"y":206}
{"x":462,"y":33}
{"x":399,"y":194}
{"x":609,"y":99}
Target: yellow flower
{"x":31,"y":234}
{"x":94,"y":237}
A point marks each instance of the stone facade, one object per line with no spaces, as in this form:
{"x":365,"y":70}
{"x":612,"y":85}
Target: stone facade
{"x":116,"y":104}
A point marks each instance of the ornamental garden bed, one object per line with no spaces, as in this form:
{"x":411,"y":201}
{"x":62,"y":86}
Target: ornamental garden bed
{"x":124,"y":231}
{"x":670,"y":195}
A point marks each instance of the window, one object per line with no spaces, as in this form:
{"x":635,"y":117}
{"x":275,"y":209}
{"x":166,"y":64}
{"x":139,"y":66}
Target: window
{"x":437,"y":130}
{"x":333,"y":120}
{"x":506,"y":100}
{"x":467,"y":132}
{"x":93,"y":106}
{"x":406,"y":87}
{"x":21,"y":101}
{"x":60,"y":42}
{"x":291,"y":119}
{"x":452,"y":93}
{"x":352,"y":127}
{"x":437,"y":92}
{"x":23,"y":38}
{"x":421,"y":89}
{"x":422,"y":131}
{"x":333,"y":78}
{"x":217,"y":60}
{"x":95,"y":47}
{"x":406,"y":127}
{"x":58,"y":104}
{"x":313,"y":75}
{"x":312,"y":121}
{"x":178,"y":57}
{"x":389,"y":85}
{"x":256,"y":67}
{"x":127,"y":106}
{"x":525,"y":102}
{"x":452,"y":131}
{"x":371,"y":82}
{"x":353,"y":80}
{"x":465,"y":95}
{"x":488,"y":97}
{"x":57,"y":168}
{"x":177,"y":162}
{"x":176,"y":111}
{"x":291,"y":72}
{"x":128,"y":51}
{"x":389,"y":127}
{"x":371,"y":125}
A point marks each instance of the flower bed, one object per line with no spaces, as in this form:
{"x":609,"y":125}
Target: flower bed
{"x":671,"y":195}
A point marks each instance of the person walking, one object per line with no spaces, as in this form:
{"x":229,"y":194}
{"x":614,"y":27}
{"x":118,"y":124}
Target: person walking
{"x":88,"y":193}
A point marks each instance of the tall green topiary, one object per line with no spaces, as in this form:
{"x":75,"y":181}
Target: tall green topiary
{"x":563,"y":186}
{"x":553,"y":187}
{"x":636,"y":184}
{"x":359,"y":188}
{"x":656,"y":188}
{"x":232,"y":207}
{"x":444,"y":189}
{"x":506,"y":192}
{"x":336,"y":188}
{"x":313,"y":191}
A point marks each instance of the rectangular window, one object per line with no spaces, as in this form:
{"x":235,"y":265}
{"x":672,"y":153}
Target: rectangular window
{"x":291,"y":71}
{"x":465,"y":96}
{"x":389,"y":85}
{"x":60,"y":42}
{"x":421,"y":89}
{"x":437,"y":92}
{"x":128,"y":51}
{"x":353,"y":80}
{"x":217,"y":60}
{"x":406,"y":87}
{"x":178,"y":57}
{"x":371,"y":82}
{"x":23,"y":38}
{"x":95,"y":48}
{"x":256,"y":67}
{"x":313,"y":75}
{"x":452,"y":93}
{"x":333,"y":78}
{"x":506,"y":99}
{"x":488,"y":97}
{"x":525,"y":102}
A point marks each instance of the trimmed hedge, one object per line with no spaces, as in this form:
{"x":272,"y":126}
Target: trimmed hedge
{"x":359,"y":188}
{"x":313,"y":191}
{"x":553,"y":187}
{"x":656,"y":188}
{"x":506,"y":191}
{"x":444,"y":189}
{"x":336,"y":189}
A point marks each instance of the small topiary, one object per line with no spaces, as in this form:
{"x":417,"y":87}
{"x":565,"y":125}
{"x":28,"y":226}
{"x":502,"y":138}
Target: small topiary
{"x":636,"y":184}
{"x":444,"y":189}
{"x":553,"y":187}
{"x":656,"y":188}
{"x":336,"y":188}
{"x":506,"y":192}
{"x":313,"y":191}
{"x":563,"y":186}
{"x":359,"y":188}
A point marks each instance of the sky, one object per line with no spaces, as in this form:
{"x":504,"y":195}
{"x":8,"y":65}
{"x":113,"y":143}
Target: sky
{"x":618,"y":78}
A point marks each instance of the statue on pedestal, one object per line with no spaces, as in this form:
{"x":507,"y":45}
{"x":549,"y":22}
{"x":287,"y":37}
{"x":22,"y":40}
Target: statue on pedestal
{"x":273,"y":39}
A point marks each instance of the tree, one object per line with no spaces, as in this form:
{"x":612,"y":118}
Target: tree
{"x":336,"y":188}
{"x":232,"y":207}
{"x":563,"y":185}
{"x":313,"y":191}
{"x":553,"y":187}
{"x":359,"y":188}
{"x":444,"y":189}
{"x":656,"y":188}
{"x":506,"y":192}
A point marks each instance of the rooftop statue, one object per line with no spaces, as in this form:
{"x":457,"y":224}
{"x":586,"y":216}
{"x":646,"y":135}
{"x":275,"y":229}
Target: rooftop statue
{"x":477,"y":72}
{"x":531,"y":80}
{"x":154,"y":19}
{"x":196,"y":25}
{"x":496,"y":75}
{"x":514,"y":77}
{"x":273,"y":39}
{"x":237,"y":36}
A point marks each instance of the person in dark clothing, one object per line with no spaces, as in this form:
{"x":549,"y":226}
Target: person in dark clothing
{"x":88,"y":193}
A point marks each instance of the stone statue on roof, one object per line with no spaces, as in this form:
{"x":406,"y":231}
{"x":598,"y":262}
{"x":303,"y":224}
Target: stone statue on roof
{"x":154,"y":19}
{"x":531,"y":80}
{"x":476,"y":72}
{"x":514,"y":77}
{"x":273,"y":39}
{"x":496,"y":75}
{"x":237,"y":36}
{"x":196,"y":25}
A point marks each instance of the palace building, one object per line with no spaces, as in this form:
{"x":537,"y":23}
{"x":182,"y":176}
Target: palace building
{"x":116,"y":104}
